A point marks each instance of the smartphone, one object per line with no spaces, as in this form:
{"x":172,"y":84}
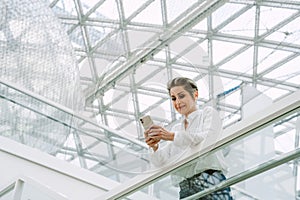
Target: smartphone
{"x":146,"y":121}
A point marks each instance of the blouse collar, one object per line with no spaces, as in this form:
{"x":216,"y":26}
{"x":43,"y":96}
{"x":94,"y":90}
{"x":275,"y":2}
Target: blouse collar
{"x":192,"y":115}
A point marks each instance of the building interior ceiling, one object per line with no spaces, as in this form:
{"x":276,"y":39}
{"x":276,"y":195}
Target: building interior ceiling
{"x":127,"y":50}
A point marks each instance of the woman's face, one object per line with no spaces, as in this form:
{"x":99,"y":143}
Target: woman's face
{"x":183,"y":102}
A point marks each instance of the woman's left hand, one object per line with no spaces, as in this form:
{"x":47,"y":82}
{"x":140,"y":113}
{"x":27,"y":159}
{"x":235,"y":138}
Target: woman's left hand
{"x":159,"y":133}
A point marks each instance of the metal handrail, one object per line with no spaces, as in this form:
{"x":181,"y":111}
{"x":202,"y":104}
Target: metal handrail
{"x":73,"y":114}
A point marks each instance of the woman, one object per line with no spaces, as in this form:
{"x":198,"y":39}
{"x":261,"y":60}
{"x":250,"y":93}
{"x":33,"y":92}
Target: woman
{"x":196,"y":127}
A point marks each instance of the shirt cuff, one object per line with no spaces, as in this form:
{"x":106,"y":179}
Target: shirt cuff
{"x":177,"y":138}
{"x":151,"y":150}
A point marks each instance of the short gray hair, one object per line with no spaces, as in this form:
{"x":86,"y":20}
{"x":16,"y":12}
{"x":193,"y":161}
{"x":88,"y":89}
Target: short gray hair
{"x":188,"y":84}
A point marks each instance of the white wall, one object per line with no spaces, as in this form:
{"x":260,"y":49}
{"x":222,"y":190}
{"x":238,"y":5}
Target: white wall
{"x":18,"y":160}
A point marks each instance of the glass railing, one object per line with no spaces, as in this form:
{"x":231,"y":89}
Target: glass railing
{"x":39,"y":123}
{"x":42,"y":124}
{"x":261,"y":153}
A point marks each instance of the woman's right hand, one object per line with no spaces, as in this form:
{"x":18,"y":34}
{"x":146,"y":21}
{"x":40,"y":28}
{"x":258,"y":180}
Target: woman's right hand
{"x":151,"y":142}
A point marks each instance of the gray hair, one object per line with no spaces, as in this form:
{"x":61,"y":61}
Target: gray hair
{"x":188,"y":84}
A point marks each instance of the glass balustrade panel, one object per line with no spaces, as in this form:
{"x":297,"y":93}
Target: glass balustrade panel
{"x":244,"y":155}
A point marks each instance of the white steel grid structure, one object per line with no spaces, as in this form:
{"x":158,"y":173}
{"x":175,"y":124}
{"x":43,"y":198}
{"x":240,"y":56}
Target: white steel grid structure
{"x":127,"y":50}
{"x":113,"y":44}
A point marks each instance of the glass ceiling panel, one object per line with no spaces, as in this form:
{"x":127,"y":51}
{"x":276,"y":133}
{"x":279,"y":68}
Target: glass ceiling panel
{"x":131,"y":6}
{"x":223,"y":49}
{"x":106,"y":10}
{"x":286,"y":71}
{"x":295,"y":79}
{"x":137,"y":38}
{"x":151,"y":14}
{"x":289,"y":33}
{"x":269,"y":57}
{"x":242,"y":25}
{"x":224,"y":13}
{"x":242,"y":63}
{"x":177,"y":7}
{"x":270,"y":17}
{"x":202,"y":25}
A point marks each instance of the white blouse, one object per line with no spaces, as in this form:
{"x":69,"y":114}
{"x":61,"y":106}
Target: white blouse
{"x":203,"y":126}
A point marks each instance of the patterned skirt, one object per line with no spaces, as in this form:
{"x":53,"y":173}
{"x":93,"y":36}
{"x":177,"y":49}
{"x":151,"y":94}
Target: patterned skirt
{"x":203,"y":181}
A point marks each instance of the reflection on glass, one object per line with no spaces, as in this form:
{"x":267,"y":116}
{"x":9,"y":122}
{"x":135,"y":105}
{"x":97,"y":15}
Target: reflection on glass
{"x":254,"y":165}
{"x":90,"y":146}
{"x":36,"y":55}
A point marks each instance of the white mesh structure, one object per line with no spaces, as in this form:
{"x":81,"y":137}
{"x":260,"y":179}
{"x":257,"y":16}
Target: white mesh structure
{"x":36,"y":55}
